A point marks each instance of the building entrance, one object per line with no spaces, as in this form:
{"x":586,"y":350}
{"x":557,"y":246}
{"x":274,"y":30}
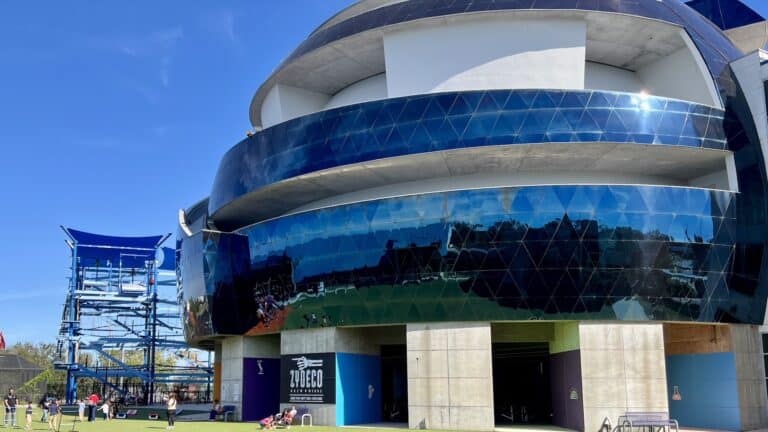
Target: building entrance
{"x":394,"y":384}
{"x":521,"y":383}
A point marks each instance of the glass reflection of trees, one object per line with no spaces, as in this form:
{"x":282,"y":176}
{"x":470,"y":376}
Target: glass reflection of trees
{"x":563,"y":266}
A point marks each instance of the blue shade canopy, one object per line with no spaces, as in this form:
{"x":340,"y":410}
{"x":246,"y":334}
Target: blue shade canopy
{"x":726,"y":14}
{"x":127,"y":252}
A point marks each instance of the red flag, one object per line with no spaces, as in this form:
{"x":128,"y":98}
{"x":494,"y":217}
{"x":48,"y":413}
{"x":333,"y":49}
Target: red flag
{"x":2,"y":341}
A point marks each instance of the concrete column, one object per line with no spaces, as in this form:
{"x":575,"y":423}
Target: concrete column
{"x":750,"y":376}
{"x":450,"y":381}
{"x":327,"y":340}
{"x":623,"y":369}
{"x":234,"y":352}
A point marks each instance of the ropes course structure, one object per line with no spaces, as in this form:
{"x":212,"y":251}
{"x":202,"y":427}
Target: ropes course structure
{"x":122,"y":301}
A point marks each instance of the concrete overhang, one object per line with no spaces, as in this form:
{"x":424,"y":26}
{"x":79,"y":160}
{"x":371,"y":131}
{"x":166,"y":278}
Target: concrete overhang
{"x":620,"y":40}
{"x":582,"y":163}
{"x":749,"y":38}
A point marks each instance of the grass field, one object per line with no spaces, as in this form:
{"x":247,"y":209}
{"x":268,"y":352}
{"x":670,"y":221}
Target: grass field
{"x":118,"y":425}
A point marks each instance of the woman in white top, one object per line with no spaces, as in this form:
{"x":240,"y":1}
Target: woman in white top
{"x":171,"y":406}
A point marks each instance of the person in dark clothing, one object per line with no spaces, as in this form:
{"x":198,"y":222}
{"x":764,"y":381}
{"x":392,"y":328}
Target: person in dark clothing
{"x":10,"y":408}
{"x":171,"y":406}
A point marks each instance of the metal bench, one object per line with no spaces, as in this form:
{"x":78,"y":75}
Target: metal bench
{"x":228,"y":411}
{"x":653,"y":420}
{"x":68,"y":411}
{"x":305,"y":415}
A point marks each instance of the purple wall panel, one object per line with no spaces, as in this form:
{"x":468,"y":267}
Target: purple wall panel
{"x":566,"y":378}
{"x":261,"y":388}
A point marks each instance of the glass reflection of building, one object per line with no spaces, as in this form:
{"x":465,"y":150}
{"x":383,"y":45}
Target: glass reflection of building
{"x":405,"y":172}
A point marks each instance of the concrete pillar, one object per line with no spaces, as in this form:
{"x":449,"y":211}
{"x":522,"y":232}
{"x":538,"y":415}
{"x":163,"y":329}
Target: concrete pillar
{"x":450,"y":381}
{"x":236,"y":353}
{"x":750,"y":376}
{"x":623,"y":369}
{"x":342,"y":342}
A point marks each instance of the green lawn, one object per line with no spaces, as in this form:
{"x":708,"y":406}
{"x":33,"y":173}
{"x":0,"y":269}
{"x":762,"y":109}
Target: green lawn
{"x":117,"y":425}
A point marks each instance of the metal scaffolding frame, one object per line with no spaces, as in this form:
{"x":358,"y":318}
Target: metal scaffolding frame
{"x":122,"y":298}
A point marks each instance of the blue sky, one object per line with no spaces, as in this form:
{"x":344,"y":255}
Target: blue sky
{"x":113,"y":115}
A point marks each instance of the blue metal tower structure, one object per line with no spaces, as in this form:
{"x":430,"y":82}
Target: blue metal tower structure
{"x":122,"y":297}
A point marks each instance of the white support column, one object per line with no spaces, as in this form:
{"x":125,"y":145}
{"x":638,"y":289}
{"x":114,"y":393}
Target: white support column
{"x":450,"y":380}
{"x":623,"y":369}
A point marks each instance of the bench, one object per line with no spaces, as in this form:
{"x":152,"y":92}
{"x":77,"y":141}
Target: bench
{"x":68,"y":410}
{"x":304,"y":414}
{"x":651,"y":420}
{"x":228,"y":411}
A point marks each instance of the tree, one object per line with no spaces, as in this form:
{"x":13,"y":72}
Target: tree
{"x":43,"y":355}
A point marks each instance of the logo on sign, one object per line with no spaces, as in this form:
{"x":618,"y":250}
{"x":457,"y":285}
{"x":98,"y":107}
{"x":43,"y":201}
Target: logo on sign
{"x":261,"y":368}
{"x":307,"y":376}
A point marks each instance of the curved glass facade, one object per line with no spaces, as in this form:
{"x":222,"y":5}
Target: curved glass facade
{"x":539,"y":252}
{"x":446,"y":121}
{"x":546,"y":252}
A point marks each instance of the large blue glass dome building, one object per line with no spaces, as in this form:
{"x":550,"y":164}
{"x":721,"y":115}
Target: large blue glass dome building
{"x":470,"y":213}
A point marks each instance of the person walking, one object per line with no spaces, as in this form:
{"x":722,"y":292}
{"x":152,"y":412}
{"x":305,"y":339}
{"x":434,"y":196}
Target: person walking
{"x":10,"y":407}
{"x":29,"y":416}
{"x":44,"y":406}
{"x":53,"y":414}
{"x":171,"y":406}
{"x":81,"y":410}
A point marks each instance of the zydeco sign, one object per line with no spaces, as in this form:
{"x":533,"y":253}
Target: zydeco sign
{"x":308,"y":378}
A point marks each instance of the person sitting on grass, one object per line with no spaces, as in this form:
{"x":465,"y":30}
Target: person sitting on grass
{"x":267,"y":422}
{"x":286,"y":418}
{"x":215,"y":410}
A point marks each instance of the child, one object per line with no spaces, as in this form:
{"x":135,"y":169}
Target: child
{"x":81,"y":410}
{"x":105,"y":410}
{"x":29,"y":416}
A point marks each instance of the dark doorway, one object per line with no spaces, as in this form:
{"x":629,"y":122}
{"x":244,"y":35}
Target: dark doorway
{"x":521,"y":391}
{"x":394,"y":384}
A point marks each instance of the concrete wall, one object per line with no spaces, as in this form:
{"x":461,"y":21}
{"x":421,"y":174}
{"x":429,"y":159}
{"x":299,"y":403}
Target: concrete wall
{"x":486,"y":53}
{"x":750,"y":375}
{"x":450,"y":384}
{"x":679,"y":76}
{"x":328,"y":339}
{"x":285,"y":102}
{"x":599,"y":76}
{"x":234,"y":351}
{"x":369,"y":89}
{"x":623,"y":369}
